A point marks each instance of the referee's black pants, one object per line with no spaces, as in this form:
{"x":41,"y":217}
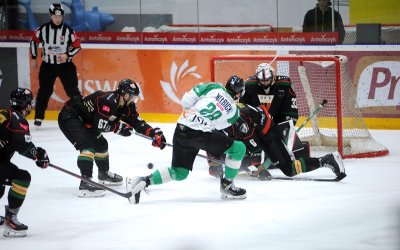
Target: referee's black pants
{"x":47,"y":77}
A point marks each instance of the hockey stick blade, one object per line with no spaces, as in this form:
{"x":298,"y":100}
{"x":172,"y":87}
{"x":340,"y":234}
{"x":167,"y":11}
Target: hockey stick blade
{"x":337,"y":179}
{"x":125,"y":195}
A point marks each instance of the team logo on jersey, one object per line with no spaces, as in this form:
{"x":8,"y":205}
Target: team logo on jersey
{"x":55,"y":49}
{"x":265,"y":98}
{"x":105,"y":108}
{"x":112,"y":118}
{"x":176,"y":75}
{"x":244,"y":128}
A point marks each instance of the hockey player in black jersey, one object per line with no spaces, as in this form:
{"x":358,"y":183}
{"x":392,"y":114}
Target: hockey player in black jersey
{"x":84,"y":121}
{"x":275,"y":92}
{"x":256,"y":123}
{"x":256,"y":129}
{"x":15,"y":137}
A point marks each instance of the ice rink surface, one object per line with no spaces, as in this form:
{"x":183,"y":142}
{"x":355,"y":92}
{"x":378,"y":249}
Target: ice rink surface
{"x":360,"y":212}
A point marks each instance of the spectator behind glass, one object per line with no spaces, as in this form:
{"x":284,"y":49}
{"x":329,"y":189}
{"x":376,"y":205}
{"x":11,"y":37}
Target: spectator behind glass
{"x":319,"y":19}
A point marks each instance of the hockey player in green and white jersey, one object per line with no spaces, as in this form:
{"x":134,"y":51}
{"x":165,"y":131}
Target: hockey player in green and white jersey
{"x":207,"y":108}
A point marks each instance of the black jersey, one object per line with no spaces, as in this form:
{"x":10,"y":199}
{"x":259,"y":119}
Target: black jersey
{"x":100,"y":111}
{"x":253,"y":123}
{"x":55,"y":40}
{"x":279,"y":99}
{"x":15,"y":135}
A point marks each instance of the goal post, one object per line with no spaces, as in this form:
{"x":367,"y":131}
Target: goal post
{"x":314,"y":78}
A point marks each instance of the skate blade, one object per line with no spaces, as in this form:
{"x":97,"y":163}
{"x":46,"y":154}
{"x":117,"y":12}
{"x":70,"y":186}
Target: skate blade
{"x":109,"y":183}
{"x":91,"y":194}
{"x":230,"y":197}
{"x":8,"y":232}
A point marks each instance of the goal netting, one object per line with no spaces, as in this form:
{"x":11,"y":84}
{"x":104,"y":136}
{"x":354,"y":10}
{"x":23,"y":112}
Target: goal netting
{"x":340,"y":123}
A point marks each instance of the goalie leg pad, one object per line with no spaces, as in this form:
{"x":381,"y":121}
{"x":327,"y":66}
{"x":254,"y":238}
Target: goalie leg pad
{"x":302,"y":150}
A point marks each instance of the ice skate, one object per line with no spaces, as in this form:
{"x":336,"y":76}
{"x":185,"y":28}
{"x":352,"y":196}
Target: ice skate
{"x":12,"y":227}
{"x":136,"y":185}
{"x":89,"y":190}
{"x":38,"y":122}
{"x":109,"y":178}
{"x":334,"y":162}
{"x":230,"y":191}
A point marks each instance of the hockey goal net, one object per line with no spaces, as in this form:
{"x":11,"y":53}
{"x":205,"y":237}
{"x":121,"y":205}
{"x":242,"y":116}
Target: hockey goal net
{"x":314,"y":78}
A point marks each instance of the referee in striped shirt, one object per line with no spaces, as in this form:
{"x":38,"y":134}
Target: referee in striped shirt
{"x":59,"y":45}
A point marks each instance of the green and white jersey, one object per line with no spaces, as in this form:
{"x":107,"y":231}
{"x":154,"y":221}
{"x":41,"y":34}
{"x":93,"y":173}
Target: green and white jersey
{"x":208,"y":107}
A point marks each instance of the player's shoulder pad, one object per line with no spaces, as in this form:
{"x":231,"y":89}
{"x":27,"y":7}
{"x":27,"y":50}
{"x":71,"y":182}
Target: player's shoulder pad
{"x":19,"y":121}
{"x":283,"y":79}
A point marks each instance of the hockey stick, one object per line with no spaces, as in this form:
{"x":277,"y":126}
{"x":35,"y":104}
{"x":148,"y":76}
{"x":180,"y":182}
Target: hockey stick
{"x":285,"y":178}
{"x":125,"y":195}
{"x":268,"y":163}
{"x":315,"y":112}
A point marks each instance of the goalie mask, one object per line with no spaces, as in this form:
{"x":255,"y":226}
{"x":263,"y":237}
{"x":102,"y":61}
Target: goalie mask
{"x":235,"y":87}
{"x":128,"y":86}
{"x":265,"y":74}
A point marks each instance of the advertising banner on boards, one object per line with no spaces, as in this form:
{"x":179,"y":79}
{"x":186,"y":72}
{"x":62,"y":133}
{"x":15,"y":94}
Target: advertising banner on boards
{"x":165,"y":75}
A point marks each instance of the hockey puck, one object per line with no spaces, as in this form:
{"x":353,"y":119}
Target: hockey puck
{"x":150,"y":165}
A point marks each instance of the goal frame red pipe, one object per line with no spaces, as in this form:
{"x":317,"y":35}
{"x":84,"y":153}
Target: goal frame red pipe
{"x":331,"y":58}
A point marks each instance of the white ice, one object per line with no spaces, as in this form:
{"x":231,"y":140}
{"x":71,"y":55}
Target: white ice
{"x":360,"y":212}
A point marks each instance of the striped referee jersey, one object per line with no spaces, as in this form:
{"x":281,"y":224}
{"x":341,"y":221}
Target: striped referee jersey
{"x":55,"y":40}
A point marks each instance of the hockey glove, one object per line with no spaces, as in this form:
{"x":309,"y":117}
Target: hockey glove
{"x":42,"y":160}
{"x":123,"y":129}
{"x":158,"y":138}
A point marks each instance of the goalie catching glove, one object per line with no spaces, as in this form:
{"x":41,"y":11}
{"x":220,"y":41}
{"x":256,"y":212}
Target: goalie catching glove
{"x":121,"y":128}
{"x":42,"y":160}
{"x":158,"y":138}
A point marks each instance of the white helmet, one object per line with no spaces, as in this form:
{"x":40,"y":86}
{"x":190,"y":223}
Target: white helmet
{"x":265,"y":72}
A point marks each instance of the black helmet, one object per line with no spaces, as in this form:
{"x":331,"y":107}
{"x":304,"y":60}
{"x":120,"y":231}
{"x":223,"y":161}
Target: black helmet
{"x":20,"y":98}
{"x":56,"y":9}
{"x":235,"y":85}
{"x":128,"y":86}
